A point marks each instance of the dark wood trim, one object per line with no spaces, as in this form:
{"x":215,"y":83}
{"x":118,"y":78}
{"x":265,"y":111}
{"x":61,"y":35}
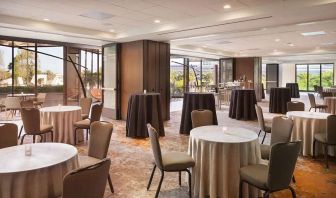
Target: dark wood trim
{"x":35,"y":75}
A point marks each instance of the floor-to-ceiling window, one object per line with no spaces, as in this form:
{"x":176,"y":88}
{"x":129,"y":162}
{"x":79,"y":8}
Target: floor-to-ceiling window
{"x":309,"y":75}
{"x":5,"y":68}
{"x":209,"y":74}
{"x":177,"y":77}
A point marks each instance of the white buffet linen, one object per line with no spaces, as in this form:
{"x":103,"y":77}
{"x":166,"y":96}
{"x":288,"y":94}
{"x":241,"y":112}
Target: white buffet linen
{"x":219,"y":153}
{"x":38,"y":175}
{"x":62,"y":119}
{"x":306,"y":124}
{"x":331,"y":103}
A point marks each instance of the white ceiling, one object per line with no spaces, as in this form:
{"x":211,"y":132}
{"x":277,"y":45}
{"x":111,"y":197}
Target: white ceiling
{"x":249,"y":28}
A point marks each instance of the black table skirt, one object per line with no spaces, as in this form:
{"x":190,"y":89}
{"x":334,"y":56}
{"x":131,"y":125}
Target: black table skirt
{"x":242,"y":104}
{"x":294,"y":90}
{"x":279,"y":97}
{"x":262,"y":91}
{"x":194,"y":101}
{"x":143,"y":109}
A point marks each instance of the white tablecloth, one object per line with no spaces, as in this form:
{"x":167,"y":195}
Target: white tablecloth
{"x":331,"y":103}
{"x":38,"y":175}
{"x":306,"y":124}
{"x":62,"y":119}
{"x":219,"y":153}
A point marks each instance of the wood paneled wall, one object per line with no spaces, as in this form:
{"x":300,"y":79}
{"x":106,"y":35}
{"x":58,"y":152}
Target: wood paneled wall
{"x":244,"y":66}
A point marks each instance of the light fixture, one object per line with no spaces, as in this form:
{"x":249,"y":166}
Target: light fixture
{"x":157,"y":21}
{"x":313,"y":33}
{"x":204,"y":46}
{"x":277,"y":40}
{"x":275,"y":50}
{"x":112,"y":30}
{"x":227,"y":6}
{"x":306,"y":23}
{"x":291,"y":44}
{"x":46,"y":19}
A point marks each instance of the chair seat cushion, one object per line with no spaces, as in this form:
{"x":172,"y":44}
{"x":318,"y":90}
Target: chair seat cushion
{"x":175,"y":161}
{"x":265,"y":151}
{"x":83,"y":124}
{"x":256,"y":175}
{"x":85,"y":160}
{"x":321,"y":137}
{"x":46,"y":128}
{"x":268,"y":129}
{"x":85,"y":116}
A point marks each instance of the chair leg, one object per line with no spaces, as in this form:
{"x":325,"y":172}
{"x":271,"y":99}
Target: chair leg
{"x":20,"y":132}
{"x":52,"y":136}
{"x":41,"y":138}
{"x":151,"y":178}
{"x":293,"y":179}
{"x":189,"y":181}
{"x":34,"y":137}
{"x":314,"y":143}
{"x":110,"y":183}
{"x":263,"y":138}
{"x":241,"y":188}
{"x":266,"y":194}
{"x":24,"y":135}
{"x":309,"y":109}
{"x":180,"y":178}
{"x":259,"y":132}
{"x":292,"y":191}
{"x":75,"y":136}
{"x":159,"y":187}
{"x":326,"y":155}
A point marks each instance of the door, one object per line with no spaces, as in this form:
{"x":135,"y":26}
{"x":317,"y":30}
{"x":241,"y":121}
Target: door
{"x":272,"y":76}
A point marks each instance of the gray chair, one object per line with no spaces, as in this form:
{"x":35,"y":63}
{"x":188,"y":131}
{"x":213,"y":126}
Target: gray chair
{"x":96,"y":112}
{"x":201,"y":117}
{"x":168,"y":162}
{"x":85,"y":104}
{"x":12,"y":105}
{"x":8,"y":135}
{"x":25,"y":104}
{"x":87,"y":182}
{"x":277,"y":175}
{"x":100,"y":137}
{"x":313,"y":104}
{"x":295,"y":106}
{"x":261,"y":121}
{"x":326,"y":139}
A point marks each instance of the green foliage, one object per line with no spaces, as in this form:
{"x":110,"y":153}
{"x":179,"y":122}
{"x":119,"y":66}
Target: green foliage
{"x":25,"y":89}
{"x":314,"y":79}
{"x":24,"y":63}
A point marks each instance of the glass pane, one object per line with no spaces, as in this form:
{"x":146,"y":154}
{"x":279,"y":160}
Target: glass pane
{"x":176,"y":77}
{"x":327,"y":75}
{"x":301,"y":76}
{"x":314,"y":76}
{"x":209,"y":68}
{"x":50,"y":75}
{"x":226,"y":71}
{"x":110,"y":80}
{"x":194,"y":75}
{"x":5,"y":70}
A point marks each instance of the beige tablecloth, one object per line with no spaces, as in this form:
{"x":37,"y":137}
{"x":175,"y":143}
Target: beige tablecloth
{"x":62,"y":118}
{"x":219,"y":153}
{"x":39,"y":175}
{"x":331,"y":103}
{"x":306,"y":124}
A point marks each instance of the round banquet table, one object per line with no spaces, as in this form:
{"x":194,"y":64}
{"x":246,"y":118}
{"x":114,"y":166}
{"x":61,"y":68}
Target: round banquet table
{"x":142,"y":109}
{"x":242,"y":104}
{"x":331,"y":103}
{"x":279,"y":96}
{"x":62,"y":119}
{"x":23,"y":96}
{"x":294,"y":90}
{"x":38,"y":175}
{"x":219,"y":152}
{"x":306,"y":124}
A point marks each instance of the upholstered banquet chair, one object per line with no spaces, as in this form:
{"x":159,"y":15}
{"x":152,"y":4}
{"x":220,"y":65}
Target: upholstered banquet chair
{"x":40,"y":99}
{"x":2,"y":104}
{"x":277,"y":175}
{"x":12,"y":105}
{"x":85,"y":104}
{"x":326,"y":139}
{"x":313,"y":104}
{"x":263,"y":127}
{"x":25,"y":104}
{"x":8,"y":135}
{"x":87,"y":182}
{"x":201,"y":117}
{"x":100,"y":136}
{"x":96,"y":112}
{"x":295,"y":106}
{"x":31,"y":124}
{"x":168,"y":162}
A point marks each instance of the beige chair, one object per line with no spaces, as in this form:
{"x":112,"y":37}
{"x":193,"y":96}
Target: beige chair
{"x":31,"y":124}
{"x":313,"y":104}
{"x":224,"y":96}
{"x":2,"y":104}
{"x":100,"y":136}
{"x":261,"y":121}
{"x":27,"y":104}
{"x":326,"y":139}
{"x":277,"y":175}
{"x":96,"y":112}
{"x":8,"y":135}
{"x":168,"y":162}
{"x":40,"y":99}
{"x":12,"y":105}
{"x":87,"y":182}
{"x":201,"y":117}
{"x":295,"y":106}
{"x":85,"y":104}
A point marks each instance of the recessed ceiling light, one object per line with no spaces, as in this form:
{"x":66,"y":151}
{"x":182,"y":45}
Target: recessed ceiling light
{"x":227,"y":6}
{"x":263,"y":29}
{"x":204,"y":46}
{"x":291,"y":44}
{"x":277,"y":40}
{"x":157,"y":21}
{"x":112,"y":30}
{"x":46,"y":19}
{"x":313,"y":33}
{"x":275,"y":50}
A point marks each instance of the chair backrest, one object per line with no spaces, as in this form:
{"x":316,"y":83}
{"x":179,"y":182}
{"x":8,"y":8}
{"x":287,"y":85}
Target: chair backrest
{"x":295,"y":106}
{"x":331,"y":126}
{"x":100,"y":136}
{"x":154,"y":137}
{"x":41,"y":97}
{"x":8,"y":135}
{"x":27,"y":104}
{"x":260,"y":117}
{"x":96,"y":112}
{"x":201,"y":117}
{"x":12,"y":103}
{"x":282,"y":162}
{"x":281,"y":129}
{"x":87,"y":182}
{"x":31,"y":120}
{"x":312,"y":100}
{"x":85,"y":104}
